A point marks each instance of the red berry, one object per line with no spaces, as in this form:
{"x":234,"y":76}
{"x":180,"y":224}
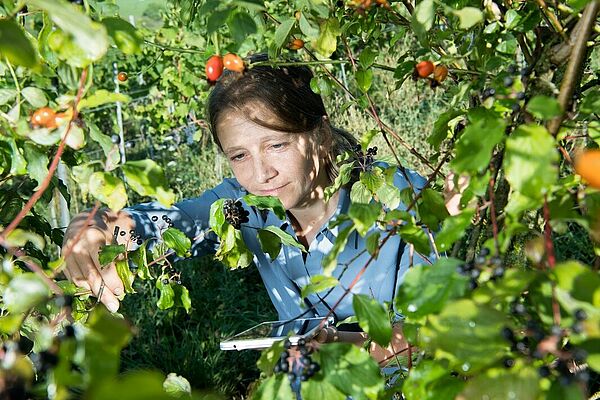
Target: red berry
{"x":233,"y":62}
{"x":122,"y":76}
{"x":214,"y":68}
{"x":424,"y":68}
{"x":43,"y":117}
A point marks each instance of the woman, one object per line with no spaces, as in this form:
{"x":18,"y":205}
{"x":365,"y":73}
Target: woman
{"x":275,"y":132}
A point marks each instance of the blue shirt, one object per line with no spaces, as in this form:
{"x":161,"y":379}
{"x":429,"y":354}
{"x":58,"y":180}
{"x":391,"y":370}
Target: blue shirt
{"x":285,"y":275}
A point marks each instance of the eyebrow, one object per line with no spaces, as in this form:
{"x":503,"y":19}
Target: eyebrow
{"x":237,"y":148}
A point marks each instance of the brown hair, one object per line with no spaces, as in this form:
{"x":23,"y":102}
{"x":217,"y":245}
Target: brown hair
{"x":286,"y":93}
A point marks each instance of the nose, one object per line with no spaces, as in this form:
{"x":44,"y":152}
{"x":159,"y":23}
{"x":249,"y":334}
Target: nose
{"x":264,"y":171}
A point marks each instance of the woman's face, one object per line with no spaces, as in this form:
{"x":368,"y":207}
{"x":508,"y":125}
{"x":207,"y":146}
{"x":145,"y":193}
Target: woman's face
{"x":273,"y":163}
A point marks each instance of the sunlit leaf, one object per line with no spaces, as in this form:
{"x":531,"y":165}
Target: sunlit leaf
{"x":373,"y":318}
{"x":176,"y":240}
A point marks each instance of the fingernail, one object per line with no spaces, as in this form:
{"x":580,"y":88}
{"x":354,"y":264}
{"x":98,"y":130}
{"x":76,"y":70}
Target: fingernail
{"x":112,"y":306}
{"x":118,"y":291}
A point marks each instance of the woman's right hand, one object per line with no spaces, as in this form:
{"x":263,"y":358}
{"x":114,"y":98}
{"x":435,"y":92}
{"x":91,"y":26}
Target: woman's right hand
{"x":81,"y":246}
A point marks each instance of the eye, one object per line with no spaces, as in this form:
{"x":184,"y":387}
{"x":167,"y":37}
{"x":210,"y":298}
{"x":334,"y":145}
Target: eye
{"x":237,"y":157}
{"x":278,"y":146}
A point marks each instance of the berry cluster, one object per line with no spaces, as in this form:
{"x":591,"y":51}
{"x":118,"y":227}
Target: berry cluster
{"x":133,"y":237}
{"x":297,"y":363}
{"x":473,"y":269}
{"x":365,"y":160}
{"x":171,"y":275}
{"x":537,"y":343}
{"x":166,"y":219}
{"x":234,"y":213}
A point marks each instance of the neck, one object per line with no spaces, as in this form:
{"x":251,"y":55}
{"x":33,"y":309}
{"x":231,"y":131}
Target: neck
{"x":310,"y":217}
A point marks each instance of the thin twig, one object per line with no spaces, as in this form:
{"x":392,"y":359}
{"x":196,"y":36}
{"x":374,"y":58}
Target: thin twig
{"x":577,"y":57}
{"x":46,"y":182}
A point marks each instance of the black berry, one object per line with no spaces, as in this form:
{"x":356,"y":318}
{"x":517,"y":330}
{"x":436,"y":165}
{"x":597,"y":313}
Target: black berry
{"x":508,"y":362}
{"x":544,"y":371}
{"x":580,"y":315}
{"x":508,"y":81}
{"x":115,"y":139}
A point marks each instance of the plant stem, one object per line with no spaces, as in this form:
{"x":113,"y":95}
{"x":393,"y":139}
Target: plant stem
{"x":44,"y":185}
{"x":578,"y":55}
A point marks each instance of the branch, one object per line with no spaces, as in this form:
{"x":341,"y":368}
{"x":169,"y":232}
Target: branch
{"x":44,"y":185}
{"x":578,"y":55}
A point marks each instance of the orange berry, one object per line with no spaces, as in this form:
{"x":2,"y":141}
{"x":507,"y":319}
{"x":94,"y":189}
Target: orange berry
{"x":424,"y":68}
{"x":587,"y":164}
{"x":296,"y":44}
{"x":43,"y":117}
{"x":233,"y":62}
{"x":122,"y":76}
{"x":440,"y":73}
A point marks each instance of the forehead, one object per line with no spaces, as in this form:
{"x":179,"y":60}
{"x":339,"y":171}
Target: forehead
{"x":237,"y":129}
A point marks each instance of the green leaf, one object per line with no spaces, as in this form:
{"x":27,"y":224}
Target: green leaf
{"x":19,"y":237}
{"x":216,"y":20}
{"x":275,"y":387}
{"x":15,"y":46}
{"x":167,"y":295}
{"x":349,"y":369}
{"x":241,"y":25}
{"x":433,"y":209}
{"x":177,"y":386}
{"x":113,"y":158}
{"x":474,"y":147}
{"x":283,"y":32}
{"x":89,"y":36}
{"x":429,"y":380}
{"x":364,"y":79}
{"x":270,"y":243}
{"x":139,"y":258}
{"x":360,"y":194}
{"x":318,"y":283}
{"x":441,"y":127}
{"x":108,"y":189}
{"x":18,"y":164}
{"x":285,"y":237}
{"x":589,"y":104}
{"x":135,"y":385}
{"x":416,"y":236}
{"x":427,"y":289}
{"x":344,"y":175}
{"x":182,"y":297}
{"x":266,"y":203}
{"x":100,"y":97}
{"x":530,"y":160}
{"x":125,"y":36}
{"x":544,"y":107}
{"x":373,"y":318}
{"x":37,"y":162}
{"x":11,"y":323}
{"x":423,"y":18}
{"x":34,"y":96}
{"x":216,"y":219}
{"x":176,"y":240}
{"x":307,"y":28}
{"x":579,"y":281}
{"x":327,"y":41}
{"x":147,"y":179}
{"x":372,"y":242}
{"x":500,"y":383}
{"x":125,"y":274}
{"x":7,"y":95}
{"x":367,"y":57}
{"x":389,"y":195}
{"x":23,"y":292}
{"x":363,"y":216}
{"x":373,"y":180}
{"x":109,"y":252}
{"x":453,"y":229}
{"x":469,"y":16}
{"x":330,"y":260}
{"x":467,"y":334}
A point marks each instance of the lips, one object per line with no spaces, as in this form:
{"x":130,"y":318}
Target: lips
{"x":271,"y":192}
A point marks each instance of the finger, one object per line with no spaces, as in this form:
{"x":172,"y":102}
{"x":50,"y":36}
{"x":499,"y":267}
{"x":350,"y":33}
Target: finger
{"x":109,"y":272}
{"x":99,"y":289}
